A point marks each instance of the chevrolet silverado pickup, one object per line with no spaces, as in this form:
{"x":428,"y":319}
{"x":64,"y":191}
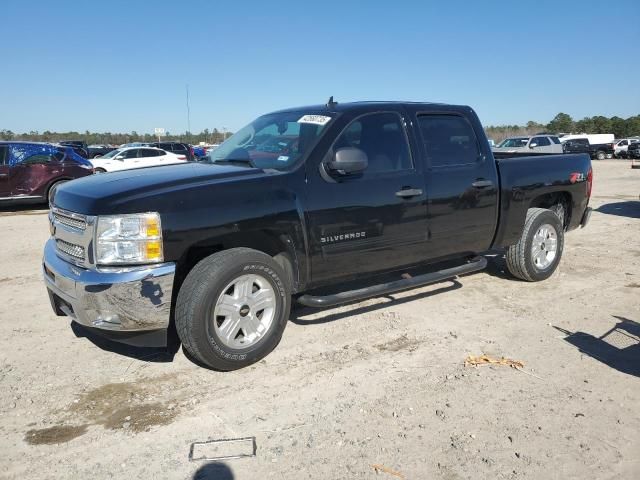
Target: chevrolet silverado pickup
{"x":293,"y":208}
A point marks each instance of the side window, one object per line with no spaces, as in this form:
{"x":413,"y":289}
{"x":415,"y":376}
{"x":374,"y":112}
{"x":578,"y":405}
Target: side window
{"x":32,"y":154}
{"x":448,"y":140}
{"x":148,"y":152}
{"x":623,"y":143}
{"x":555,"y":140}
{"x":541,"y":141}
{"x":133,"y":153}
{"x":381,"y":136}
{"x":4,"y":156}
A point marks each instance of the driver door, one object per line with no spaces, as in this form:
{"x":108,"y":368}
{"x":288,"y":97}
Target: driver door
{"x":371,"y":221}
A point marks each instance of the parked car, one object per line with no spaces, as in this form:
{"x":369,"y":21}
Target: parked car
{"x":229,"y":245}
{"x":134,"y":157}
{"x":199,"y":151}
{"x":621,"y":146}
{"x":31,"y":172}
{"x":582,"y":145}
{"x":99,"y":150}
{"x":536,"y":144}
{"x":633,"y":150}
{"x":79,"y":146}
{"x":177,"y":148}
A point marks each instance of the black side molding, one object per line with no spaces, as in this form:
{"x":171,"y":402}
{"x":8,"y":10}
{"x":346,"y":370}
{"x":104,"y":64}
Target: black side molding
{"x":477,"y":263}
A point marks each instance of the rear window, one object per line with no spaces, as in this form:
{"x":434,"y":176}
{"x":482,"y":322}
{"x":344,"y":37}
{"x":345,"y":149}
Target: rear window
{"x":555,"y":140}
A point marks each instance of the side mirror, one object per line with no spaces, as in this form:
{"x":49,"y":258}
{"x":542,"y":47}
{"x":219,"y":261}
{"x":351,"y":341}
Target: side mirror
{"x":533,"y":145}
{"x":348,"y":160}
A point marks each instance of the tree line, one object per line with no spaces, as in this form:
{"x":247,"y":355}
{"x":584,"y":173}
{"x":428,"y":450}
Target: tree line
{"x":563,"y":123}
{"x":109,"y":138}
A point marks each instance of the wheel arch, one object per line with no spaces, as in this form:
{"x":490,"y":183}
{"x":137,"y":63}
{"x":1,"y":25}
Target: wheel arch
{"x":549,"y":200}
{"x":278,"y":245}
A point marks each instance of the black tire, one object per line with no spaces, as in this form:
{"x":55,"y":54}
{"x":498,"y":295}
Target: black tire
{"x":52,"y":190}
{"x":519,"y":257}
{"x":99,"y":170}
{"x":199,"y":293}
{"x":600,"y":155}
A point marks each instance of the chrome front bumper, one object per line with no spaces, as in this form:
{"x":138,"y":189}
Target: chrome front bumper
{"x":115,"y":299}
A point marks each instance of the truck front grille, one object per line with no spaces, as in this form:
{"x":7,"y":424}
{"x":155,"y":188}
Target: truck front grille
{"x":75,"y":251}
{"x":71,"y":220}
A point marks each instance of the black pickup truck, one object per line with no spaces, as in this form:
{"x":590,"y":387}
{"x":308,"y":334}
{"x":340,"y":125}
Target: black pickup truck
{"x":293,"y":207}
{"x":599,"y":151}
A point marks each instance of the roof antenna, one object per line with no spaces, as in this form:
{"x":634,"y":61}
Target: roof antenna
{"x":331,"y":103}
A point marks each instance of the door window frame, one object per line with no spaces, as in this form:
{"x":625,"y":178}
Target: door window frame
{"x":359,"y":177}
{"x":480,"y":159}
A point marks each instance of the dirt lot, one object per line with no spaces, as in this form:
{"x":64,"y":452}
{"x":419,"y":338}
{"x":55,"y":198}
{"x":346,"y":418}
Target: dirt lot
{"x":380,"y":383}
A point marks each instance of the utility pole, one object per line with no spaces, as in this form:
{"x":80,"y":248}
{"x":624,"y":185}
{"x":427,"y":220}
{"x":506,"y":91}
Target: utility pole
{"x":188,"y":113}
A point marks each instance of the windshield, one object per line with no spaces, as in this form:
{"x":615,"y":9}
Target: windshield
{"x":514,"y":142}
{"x":112,"y":153}
{"x":276,"y":140}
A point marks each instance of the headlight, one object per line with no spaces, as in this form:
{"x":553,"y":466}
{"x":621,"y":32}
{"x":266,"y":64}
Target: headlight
{"x":127,"y":239}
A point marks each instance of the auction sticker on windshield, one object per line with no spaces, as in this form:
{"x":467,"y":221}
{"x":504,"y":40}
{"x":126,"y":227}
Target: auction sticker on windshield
{"x":315,"y":119}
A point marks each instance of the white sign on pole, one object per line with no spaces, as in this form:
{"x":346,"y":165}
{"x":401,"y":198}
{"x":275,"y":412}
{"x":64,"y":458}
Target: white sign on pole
{"x":159,"y":131}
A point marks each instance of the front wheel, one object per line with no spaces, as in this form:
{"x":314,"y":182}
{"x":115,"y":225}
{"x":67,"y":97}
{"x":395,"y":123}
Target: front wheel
{"x":600,"y":155}
{"x":99,"y":170}
{"x":537,"y":254}
{"x":232,"y":308}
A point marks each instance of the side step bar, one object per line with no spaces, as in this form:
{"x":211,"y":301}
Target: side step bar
{"x":477,"y":263}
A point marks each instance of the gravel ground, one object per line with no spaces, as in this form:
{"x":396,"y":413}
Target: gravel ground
{"x":376,"y":389}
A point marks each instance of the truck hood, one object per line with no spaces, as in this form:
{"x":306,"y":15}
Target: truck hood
{"x":125,"y":191}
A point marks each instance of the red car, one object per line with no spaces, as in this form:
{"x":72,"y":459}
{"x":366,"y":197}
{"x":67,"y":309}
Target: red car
{"x":30,"y":172}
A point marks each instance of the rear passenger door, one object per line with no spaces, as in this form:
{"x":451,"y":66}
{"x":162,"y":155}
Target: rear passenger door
{"x":541,"y":145}
{"x":461,"y":186}
{"x":148,"y":157}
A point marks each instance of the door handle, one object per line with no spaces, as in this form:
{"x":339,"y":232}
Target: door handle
{"x":482,"y":184}
{"x":408,"y":192}
{"x":3,"y":175}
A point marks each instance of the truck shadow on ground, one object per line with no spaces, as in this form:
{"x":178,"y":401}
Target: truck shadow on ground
{"x":630,"y":209}
{"x":298,"y":311}
{"x":619,"y":347}
{"x":213,"y":471}
{"x":148,"y":354}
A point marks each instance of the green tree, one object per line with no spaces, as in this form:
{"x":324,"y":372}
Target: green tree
{"x":561,"y":123}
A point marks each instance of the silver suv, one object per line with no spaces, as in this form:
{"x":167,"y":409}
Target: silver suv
{"x":536,"y":143}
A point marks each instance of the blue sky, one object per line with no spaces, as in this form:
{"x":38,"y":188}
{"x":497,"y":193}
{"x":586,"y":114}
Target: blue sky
{"x":123,"y":65}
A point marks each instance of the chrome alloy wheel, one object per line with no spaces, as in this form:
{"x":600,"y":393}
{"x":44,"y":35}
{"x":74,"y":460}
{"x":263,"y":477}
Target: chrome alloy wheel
{"x":244,"y":311}
{"x":544,"y":246}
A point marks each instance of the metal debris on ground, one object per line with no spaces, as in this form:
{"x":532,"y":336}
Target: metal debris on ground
{"x":249,"y":442}
{"x":472,"y":361}
{"x":381,"y":468}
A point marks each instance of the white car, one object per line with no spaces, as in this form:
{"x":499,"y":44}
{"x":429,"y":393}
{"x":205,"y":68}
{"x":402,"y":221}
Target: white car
{"x":134,"y":157}
{"x":621,"y":146}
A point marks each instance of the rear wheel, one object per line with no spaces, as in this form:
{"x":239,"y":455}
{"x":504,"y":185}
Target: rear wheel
{"x":99,"y":170}
{"x":537,"y":254}
{"x":600,"y":155}
{"x":232,"y":308}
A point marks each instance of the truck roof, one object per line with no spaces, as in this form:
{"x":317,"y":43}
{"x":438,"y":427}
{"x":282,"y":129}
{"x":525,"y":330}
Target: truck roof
{"x":371,"y":105}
